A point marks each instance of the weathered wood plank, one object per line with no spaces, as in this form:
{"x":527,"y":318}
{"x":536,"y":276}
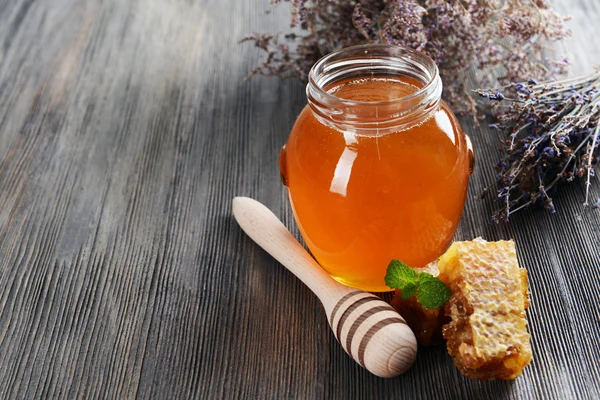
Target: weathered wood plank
{"x":125,"y":130}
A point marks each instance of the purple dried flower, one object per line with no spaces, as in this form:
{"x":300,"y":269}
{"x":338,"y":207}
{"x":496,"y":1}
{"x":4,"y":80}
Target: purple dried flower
{"x":456,"y":34}
{"x":554,"y":137}
{"x":548,"y":153}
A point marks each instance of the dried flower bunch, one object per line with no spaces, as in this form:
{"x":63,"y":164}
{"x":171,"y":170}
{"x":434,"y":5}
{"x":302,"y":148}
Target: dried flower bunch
{"x":553,"y":136}
{"x":457,"y":34}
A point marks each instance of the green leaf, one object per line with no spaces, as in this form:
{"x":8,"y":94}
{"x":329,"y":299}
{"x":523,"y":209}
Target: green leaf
{"x":424,"y":277}
{"x":430,"y":291}
{"x":399,"y":275}
{"x":409,"y":291}
{"x":433,"y":293}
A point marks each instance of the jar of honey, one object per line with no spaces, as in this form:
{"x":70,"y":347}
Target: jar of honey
{"x":376,"y":164}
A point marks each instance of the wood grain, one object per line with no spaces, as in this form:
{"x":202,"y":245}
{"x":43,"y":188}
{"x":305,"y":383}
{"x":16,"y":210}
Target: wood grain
{"x":125,"y":131}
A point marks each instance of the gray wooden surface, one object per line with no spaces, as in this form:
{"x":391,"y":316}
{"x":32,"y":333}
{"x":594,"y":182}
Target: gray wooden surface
{"x":125,"y":130}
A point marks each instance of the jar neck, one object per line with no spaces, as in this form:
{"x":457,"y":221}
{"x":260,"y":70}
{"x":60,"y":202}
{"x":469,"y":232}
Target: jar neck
{"x":374,"y":117}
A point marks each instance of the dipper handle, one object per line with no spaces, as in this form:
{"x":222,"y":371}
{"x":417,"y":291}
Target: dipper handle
{"x":369,"y":329}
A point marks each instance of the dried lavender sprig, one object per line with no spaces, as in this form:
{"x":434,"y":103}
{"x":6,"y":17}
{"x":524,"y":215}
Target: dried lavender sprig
{"x":553,"y":132}
{"x":590,"y":154}
{"x":458,"y":35}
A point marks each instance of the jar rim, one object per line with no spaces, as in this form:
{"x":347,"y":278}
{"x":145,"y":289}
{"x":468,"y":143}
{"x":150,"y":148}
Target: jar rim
{"x":368,"y":61}
{"x":421,"y":58}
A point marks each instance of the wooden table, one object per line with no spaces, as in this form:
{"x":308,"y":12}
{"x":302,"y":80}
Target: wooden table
{"x":125,"y":131}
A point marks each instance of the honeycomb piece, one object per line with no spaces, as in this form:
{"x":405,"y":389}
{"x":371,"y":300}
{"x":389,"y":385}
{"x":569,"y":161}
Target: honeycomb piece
{"x":426,"y":323}
{"x":487,"y":336}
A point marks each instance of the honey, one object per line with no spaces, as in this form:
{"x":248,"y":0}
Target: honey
{"x":363,"y":198}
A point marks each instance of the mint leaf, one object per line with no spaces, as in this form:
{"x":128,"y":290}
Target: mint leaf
{"x":409,"y":291}
{"x":430,"y":291}
{"x":400,"y":275}
{"x":425,"y":276}
{"x":433,"y":293}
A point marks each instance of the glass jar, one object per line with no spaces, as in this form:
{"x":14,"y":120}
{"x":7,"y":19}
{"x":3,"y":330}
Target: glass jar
{"x":376,"y":164}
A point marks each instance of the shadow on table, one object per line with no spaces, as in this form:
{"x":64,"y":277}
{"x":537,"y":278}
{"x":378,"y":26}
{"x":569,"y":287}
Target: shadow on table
{"x":433,"y":376}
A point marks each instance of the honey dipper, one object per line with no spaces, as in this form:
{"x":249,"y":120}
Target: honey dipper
{"x":369,"y":329}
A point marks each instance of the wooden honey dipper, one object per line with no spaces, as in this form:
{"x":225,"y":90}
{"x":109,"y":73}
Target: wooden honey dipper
{"x":369,"y":329}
